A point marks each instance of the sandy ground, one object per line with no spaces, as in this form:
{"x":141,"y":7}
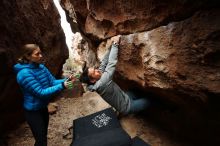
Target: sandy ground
{"x":73,"y":108}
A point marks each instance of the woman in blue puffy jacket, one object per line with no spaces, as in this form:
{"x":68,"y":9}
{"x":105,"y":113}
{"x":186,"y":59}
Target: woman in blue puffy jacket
{"x":38,"y":85}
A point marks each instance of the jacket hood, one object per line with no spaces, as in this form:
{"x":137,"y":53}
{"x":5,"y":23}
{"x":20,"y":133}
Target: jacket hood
{"x":20,"y":66}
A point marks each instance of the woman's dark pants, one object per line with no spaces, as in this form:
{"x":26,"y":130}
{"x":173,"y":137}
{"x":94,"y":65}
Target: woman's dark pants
{"x":38,"y":122}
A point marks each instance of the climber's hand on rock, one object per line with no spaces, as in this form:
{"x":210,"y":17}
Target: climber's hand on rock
{"x":116,"y":39}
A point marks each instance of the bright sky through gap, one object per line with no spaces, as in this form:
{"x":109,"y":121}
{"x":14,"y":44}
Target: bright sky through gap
{"x":65,"y":25}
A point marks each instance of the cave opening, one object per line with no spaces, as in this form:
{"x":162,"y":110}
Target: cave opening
{"x":64,"y":24}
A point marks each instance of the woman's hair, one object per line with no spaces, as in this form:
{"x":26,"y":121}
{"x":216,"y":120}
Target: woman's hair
{"x":26,"y":50}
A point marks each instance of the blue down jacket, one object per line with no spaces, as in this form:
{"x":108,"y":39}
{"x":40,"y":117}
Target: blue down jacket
{"x":37,"y":85}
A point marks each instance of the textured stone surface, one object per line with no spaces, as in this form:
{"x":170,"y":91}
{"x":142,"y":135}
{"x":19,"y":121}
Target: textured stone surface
{"x":178,"y":61}
{"x":71,"y":16}
{"x":180,"y":64}
{"x":100,"y":19}
{"x":182,"y":57}
{"x":172,"y":51}
{"x":177,"y":58}
{"x":26,"y":22}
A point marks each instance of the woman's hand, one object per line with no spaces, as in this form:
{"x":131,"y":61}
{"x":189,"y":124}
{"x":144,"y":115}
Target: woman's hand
{"x":68,"y":84}
{"x":71,"y":80}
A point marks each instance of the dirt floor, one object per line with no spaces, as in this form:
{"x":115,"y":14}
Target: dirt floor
{"x":73,"y":108}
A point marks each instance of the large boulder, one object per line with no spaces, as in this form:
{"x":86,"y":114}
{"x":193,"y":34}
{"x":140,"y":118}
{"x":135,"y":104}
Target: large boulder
{"x":170,"y":48}
{"x":180,"y":64}
{"x":179,"y":58}
{"x":103,"y":19}
{"x":159,"y":54}
{"x":26,"y":22}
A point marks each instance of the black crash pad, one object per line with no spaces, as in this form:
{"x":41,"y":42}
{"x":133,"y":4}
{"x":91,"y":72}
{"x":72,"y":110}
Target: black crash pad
{"x":136,"y":141}
{"x":99,"y":129}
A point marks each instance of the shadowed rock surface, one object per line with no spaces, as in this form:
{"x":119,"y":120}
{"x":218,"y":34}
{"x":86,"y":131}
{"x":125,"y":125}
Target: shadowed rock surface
{"x":169,"y":50}
{"x":103,"y":19}
{"x":26,"y":22}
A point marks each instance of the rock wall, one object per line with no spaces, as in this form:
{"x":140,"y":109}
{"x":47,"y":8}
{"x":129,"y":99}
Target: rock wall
{"x":26,"y":22}
{"x":182,"y":56}
{"x":103,"y":19}
{"x":168,"y":48}
{"x":179,"y":56}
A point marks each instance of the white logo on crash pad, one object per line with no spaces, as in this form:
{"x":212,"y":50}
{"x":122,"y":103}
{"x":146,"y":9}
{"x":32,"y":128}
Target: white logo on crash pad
{"x":101,"y":120}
